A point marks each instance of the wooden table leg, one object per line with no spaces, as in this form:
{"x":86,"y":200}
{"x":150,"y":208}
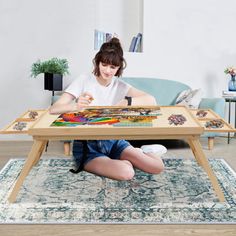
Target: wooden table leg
{"x":193,"y":148}
{"x":200,"y":157}
{"x":67,"y":145}
{"x":33,"y":157}
{"x":39,"y":153}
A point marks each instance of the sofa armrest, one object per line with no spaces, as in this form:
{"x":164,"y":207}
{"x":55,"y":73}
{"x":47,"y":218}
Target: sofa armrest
{"x":216,"y":104}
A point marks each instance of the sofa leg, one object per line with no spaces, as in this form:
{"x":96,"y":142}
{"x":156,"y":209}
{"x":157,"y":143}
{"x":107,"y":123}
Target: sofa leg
{"x":210,"y":143}
{"x":67,"y":148}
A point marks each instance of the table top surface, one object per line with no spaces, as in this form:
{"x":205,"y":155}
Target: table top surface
{"x":160,"y":125}
{"x":122,"y":122}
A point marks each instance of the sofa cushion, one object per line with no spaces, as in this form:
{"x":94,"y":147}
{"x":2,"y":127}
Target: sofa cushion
{"x":164,"y":91}
{"x":190,"y":98}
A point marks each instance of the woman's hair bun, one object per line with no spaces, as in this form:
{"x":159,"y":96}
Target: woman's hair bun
{"x":114,"y":40}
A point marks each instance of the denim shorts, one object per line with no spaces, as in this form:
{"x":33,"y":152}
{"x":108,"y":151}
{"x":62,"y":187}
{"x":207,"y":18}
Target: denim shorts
{"x":98,"y":148}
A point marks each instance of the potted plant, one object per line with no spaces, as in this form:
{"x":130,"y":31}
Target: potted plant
{"x":53,"y":70}
{"x":232,"y":82}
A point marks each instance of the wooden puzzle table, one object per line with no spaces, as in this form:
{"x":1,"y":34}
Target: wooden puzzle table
{"x":160,"y":128}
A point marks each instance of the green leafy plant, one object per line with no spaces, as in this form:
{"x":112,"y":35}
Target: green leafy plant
{"x":53,"y":66}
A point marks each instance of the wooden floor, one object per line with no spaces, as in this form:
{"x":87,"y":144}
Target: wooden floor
{"x":19,"y":149}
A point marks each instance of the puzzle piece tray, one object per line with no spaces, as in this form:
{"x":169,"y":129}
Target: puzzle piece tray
{"x":211,"y":122}
{"x":22,"y":124}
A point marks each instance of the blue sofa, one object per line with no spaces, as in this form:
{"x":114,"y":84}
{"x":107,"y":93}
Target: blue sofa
{"x":166,"y":92}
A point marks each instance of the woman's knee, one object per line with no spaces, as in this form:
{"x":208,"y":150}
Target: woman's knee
{"x":126,"y":173}
{"x":158,"y":168}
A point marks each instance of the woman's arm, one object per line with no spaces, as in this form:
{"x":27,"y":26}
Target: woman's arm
{"x":64,"y":104}
{"x":138,"y":98}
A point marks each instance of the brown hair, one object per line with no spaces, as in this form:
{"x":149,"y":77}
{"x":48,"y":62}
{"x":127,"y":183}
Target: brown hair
{"x":110,"y":53}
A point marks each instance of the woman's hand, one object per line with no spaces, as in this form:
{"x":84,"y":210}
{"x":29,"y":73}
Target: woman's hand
{"x":84,"y":100}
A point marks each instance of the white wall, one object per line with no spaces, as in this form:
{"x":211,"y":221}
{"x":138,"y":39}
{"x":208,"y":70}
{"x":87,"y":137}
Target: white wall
{"x":31,"y":30}
{"x":189,"y":41}
{"x":185,"y":40}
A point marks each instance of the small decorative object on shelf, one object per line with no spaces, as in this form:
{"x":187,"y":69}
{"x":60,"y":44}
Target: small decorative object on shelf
{"x":136,"y":43}
{"x":232,"y":83}
{"x":53,"y":70}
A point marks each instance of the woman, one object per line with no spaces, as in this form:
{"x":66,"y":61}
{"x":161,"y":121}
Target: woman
{"x":114,"y":159}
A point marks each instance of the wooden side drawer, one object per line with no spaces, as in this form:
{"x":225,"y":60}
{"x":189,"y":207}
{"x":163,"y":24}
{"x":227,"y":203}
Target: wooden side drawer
{"x":22,"y":124}
{"x":207,"y":116}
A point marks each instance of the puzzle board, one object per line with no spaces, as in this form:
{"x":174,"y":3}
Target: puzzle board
{"x":118,"y":117}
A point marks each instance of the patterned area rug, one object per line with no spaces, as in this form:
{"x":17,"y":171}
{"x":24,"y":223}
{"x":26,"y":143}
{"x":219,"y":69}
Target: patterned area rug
{"x":182,"y":194}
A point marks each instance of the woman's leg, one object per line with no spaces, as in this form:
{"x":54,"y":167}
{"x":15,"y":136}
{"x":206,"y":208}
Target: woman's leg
{"x":148,"y":162}
{"x":113,"y":169}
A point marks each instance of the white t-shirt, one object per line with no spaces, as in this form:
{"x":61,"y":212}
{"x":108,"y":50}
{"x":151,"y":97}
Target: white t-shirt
{"x":103,"y":96}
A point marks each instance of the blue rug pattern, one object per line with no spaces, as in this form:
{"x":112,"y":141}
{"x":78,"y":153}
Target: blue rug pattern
{"x":181,"y":194}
